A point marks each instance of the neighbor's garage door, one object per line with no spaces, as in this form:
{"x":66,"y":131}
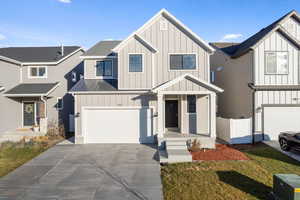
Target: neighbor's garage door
{"x":124,"y":125}
{"x":278,"y":119}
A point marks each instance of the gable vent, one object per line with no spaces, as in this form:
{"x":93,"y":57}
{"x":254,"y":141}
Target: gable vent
{"x":163,"y":25}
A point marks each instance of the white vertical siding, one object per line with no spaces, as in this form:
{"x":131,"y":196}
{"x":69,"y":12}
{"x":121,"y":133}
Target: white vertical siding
{"x":293,"y":27}
{"x":172,"y":40}
{"x":276,"y":42}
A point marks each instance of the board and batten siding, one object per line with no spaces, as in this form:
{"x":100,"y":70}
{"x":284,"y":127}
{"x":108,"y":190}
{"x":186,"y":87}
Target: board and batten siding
{"x":293,"y":27}
{"x":185,"y":85}
{"x":166,"y":42}
{"x":135,"y":80}
{"x":90,"y":68}
{"x":111,"y":100}
{"x":283,"y":98}
{"x":276,"y":42}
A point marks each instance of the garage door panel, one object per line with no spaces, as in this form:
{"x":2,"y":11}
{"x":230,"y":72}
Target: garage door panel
{"x":279,"y":119}
{"x":118,"y":126}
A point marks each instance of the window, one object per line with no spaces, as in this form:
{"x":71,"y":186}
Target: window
{"x":37,"y":72}
{"x":276,"y":62}
{"x":182,"y":61}
{"x":191,"y":103}
{"x":74,"y":77}
{"x":135,"y":63}
{"x":59,"y":104}
{"x":104,"y":68}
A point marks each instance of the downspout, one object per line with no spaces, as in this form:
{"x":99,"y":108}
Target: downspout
{"x":253,"y":117}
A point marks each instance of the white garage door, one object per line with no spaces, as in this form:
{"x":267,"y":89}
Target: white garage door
{"x":278,"y":119}
{"x":126,"y":125}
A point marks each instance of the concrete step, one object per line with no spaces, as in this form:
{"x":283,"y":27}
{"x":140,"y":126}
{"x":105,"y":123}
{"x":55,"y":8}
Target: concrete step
{"x":179,"y":155}
{"x":183,"y":147}
{"x":175,"y":142}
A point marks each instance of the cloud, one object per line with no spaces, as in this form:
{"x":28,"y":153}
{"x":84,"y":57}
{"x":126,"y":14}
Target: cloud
{"x":231,"y":36}
{"x":65,"y":1}
{"x":2,"y":37}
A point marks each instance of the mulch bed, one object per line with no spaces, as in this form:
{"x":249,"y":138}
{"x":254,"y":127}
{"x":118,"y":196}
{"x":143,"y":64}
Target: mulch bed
{"x":222,"y":152}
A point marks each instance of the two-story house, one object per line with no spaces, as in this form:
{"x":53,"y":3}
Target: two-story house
{"x":261,"y":78}
{"x":154,"y":82}
{"x":35,"y":83}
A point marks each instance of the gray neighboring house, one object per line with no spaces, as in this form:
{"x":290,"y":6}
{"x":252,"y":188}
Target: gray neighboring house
{"x":156,"y":82}
{"x":261,"y":77}
{"x":34,"y":83}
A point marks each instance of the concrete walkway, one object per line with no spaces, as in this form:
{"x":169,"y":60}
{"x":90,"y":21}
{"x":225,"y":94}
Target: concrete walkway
{"x":275,"y":144}
{"x":95,"y":171}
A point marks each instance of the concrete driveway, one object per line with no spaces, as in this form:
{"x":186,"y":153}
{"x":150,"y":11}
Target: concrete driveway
{"x":94,"y":171}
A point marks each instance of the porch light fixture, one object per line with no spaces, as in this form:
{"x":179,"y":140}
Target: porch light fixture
{"x":259,"y":110}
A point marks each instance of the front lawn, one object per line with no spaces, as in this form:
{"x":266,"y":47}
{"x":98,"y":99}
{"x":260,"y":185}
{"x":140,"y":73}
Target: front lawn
{"x":215,"y":180}
{"x":13,"y":155}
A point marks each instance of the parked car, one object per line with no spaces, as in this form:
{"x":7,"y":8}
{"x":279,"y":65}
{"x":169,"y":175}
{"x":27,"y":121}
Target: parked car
{"x":289,"y":140}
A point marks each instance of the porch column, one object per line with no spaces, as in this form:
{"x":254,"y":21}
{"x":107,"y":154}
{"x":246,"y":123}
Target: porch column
{"x":160,"y":128}
{"x":203,"y":109}
{"x":184,"y":122}
{"x":213,"y":115}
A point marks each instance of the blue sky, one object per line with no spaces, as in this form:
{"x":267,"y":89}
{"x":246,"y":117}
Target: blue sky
{"x":85,"y":22}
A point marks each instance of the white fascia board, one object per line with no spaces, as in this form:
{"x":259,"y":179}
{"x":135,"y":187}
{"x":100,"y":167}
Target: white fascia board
{"x":146,"y":43}
{"x":23,"y":95}
{"x":50,"y":91}
{"x":174,"y":19}
{"x":10,"y":60}
{"x":110,"y":92}
{"x":197,"y":80}
{"x":1,"y":88}
{"x":96,"y":57}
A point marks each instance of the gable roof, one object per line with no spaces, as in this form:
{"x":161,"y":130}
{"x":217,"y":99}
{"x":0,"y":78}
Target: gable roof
{"x":88,"y":85}
{"x":237,"y":50}
{"x":26,"y":55}
{"x":102,"y":49}
{"x":170,"y":17}
{"x":199,"y":81}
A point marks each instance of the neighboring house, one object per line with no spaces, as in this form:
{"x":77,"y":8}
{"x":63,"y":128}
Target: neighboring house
{"x":155,"y":82}
{"x":261,"y":78}
{"x":35,"y":81}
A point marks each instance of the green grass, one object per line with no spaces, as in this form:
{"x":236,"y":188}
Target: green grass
{"x":13,"y":155}
{"x":227,"y":179}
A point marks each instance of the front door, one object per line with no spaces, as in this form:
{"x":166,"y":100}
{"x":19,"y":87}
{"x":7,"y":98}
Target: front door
{"x":171,"y":113}
{"x":28,"y":113}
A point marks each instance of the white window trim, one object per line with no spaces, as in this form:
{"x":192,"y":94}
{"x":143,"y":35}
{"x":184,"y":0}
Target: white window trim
{"x":62,"y":103}
{"x":37,"y":77}
{"x":182,"y":70}
{"x":143,"y":62}
{"x":268,"y":73}
{"x":112,"y":70}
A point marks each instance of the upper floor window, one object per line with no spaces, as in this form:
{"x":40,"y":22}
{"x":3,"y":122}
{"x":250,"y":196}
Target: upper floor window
{"x":104,"y":68}
{"x":135,"y":63}
{"x":37,"y":72}
{"x":276,"y":62}
{"x":182,"y":61}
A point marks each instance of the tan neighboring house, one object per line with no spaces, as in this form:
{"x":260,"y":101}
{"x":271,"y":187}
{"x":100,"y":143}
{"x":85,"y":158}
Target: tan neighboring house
{"x":261,"y":78}
{"x":156,"y":82}
{"x":34,"y":82}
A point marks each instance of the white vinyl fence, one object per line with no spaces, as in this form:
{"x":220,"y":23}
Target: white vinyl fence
{"x":234,"y":131}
